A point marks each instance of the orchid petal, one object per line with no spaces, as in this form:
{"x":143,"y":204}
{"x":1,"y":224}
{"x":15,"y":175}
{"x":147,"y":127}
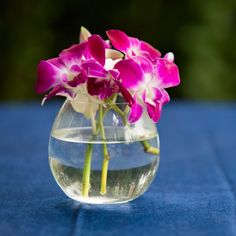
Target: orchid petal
{"x":84,"y":34}
{"x":114,"y":54}
{"x":107,"y":44}
{"x":48,"y":76}
{"x":145,"y":64}
{"x":165,"y":97}
{"x":103,"y":88}
{"x":154,"y":111}
{"x":161,"y":96}
{"x":158,"y":93}
{"x":134,"y":42}
{"x":58,"y":91}
{"x":167,"y":73}
{"x":119,"y":40}
{"x":114,"y":73}
{"x":97,"y":48}
{"x":135,"y":112}
{"x":81,"y":98}
{"x":56,"y":62}
{"x":94,"y":69}
{"x":78,"y":79}
{"x":170,"y":57}
{"x":146,"y":47}
{"x":125,"y":93}
{"x":73,"y":54}
{"x":75,"y":68}
{"x":130,"y":73}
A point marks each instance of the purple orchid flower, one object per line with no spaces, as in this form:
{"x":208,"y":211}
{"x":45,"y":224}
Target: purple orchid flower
{"x":147,"y":83}
{"x":132,"y":46}
{"x":99,"y":68}
{"x":76,"y":65}
{"x":92,"y":71}
{"x":61,"y":73}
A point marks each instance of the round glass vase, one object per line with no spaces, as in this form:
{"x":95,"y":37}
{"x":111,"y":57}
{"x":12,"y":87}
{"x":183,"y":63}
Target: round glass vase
{"x":102,"y":159}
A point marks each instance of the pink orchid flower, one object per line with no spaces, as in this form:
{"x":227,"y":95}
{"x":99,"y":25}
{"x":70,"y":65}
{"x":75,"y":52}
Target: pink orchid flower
{"x":74,"y":66}
{"x":92,"y":71}
{"x":132,"y":46}
{"x":147,"y":83}
{"x":100,"y":68}
{"x":61,"y":73}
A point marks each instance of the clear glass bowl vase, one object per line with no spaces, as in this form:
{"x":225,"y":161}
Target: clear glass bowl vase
{"x":112,"y":163}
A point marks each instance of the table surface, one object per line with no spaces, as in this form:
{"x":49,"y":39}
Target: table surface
{"x":194,"y":192}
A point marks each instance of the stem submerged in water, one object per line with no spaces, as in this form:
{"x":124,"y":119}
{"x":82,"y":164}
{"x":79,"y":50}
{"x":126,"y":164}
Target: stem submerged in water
{"x":87,"y":161}
{"x":86,"y":171}
{"x":99,"y":128}
{"x":106,"y":156}
{"x":149,"y":148}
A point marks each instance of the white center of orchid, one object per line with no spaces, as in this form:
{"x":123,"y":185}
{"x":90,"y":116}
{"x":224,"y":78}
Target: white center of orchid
{"x":110,"y":63}
{"x":147,"y":87}
{"x":66,"y":74}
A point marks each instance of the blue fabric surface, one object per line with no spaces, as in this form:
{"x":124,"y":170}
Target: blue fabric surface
{"x":194,"y":192}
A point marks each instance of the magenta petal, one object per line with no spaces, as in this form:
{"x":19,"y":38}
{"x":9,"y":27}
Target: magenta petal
{"x":73,"y":54}
{"x":167,"y":73}
{"x":96,"y":86}
{"x":125,"y":93}
{"x":48,"y":76}
{"x":96,"y":47}
{"x":154,"y":111}
{"x":146,"y":47}
{"x":75,"y":68}
{"x":56,"y":62}
{"x":114,"y":73}
{"x":158,"y":94}
{"x":94,"y":69}
{"x":145,"y":64}
{"x":119,"y":40}
{"x":130,"y":73}
{"x":161,"y":96}
{"x":134,"y":42}
{"x":103,"y":88}
{"x":107,"y":44}
{"x":135,"y":112}
{"x":78,"y":79}
{"x":58,"y":91}
{"x":165,"y":97}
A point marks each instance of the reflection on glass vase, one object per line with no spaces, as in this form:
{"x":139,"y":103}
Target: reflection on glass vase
{"x":104,"y":159}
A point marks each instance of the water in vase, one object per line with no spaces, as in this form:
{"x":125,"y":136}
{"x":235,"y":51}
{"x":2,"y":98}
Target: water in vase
{"x":130,"y":172}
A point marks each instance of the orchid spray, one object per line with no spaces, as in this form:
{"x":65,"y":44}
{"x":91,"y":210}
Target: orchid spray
{"x":99,"y":72}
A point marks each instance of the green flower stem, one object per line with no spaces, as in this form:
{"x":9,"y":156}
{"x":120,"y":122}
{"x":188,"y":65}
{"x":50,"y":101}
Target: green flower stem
{"x":149,"y":148}
{"x":87,"y":162}
{"x":94,"y":126}
{"x":106,"y":156}
{"x":86,"y":171}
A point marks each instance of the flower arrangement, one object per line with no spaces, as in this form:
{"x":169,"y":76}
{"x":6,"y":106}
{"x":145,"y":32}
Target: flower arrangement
{"x":99,"y":71}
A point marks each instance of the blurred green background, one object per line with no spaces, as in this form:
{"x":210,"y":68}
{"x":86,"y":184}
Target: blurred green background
{"x":201,"y":33}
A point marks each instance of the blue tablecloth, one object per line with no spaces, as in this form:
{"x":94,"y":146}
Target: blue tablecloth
{"x":194,"y":192}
